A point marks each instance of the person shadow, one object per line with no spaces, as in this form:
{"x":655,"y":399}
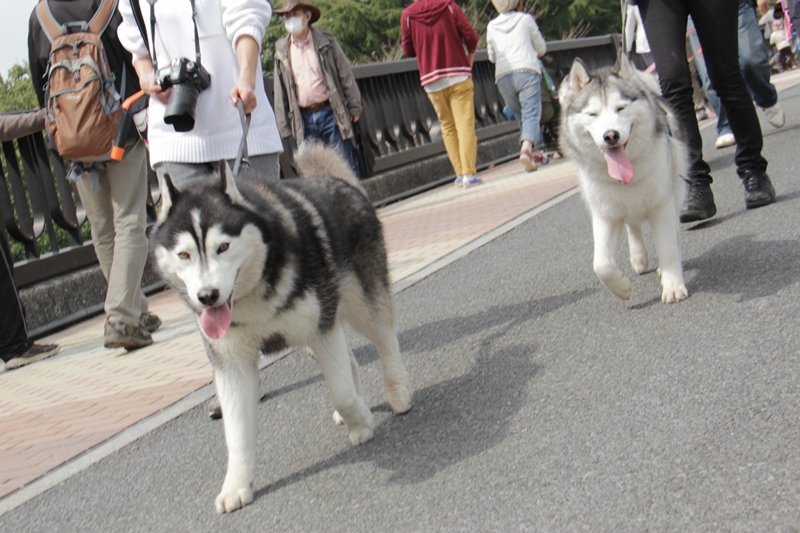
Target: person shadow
{"x":460,"y":417}
{"x":744,"y":266}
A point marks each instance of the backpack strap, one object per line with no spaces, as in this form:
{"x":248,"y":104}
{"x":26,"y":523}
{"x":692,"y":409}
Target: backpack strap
{"x":52,"y":28}
{"x":102,"y":18}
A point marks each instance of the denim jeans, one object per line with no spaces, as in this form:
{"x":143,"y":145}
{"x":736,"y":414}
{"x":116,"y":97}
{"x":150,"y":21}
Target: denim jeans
{"x":321,"y":125}
{"x":522,"y":93}
{"x":665,"y":24}
{"x":754,"y":63}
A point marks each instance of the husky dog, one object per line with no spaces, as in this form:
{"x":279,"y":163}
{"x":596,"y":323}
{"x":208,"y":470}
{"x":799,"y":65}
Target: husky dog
{"x":268,"y":266}
{"x":622,"y":137}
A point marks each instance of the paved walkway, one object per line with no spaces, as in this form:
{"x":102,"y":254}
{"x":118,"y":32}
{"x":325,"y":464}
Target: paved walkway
{"x":55,"y":410}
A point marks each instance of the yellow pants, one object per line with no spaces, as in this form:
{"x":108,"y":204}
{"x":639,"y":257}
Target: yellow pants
{"x":455,"y":107}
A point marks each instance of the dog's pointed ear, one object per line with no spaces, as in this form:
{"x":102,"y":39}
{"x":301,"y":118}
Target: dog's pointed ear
{"x":578,"y":76}
{"x":228,"y":185}
{"x":169,"y":195}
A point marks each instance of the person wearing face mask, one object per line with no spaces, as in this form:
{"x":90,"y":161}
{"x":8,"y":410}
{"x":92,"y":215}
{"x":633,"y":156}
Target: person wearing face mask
{"x":316,"y":95}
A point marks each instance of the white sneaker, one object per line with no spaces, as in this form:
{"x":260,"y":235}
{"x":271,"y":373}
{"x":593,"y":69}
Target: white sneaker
{"x":725,"y":140}
{"x":775,"y":115}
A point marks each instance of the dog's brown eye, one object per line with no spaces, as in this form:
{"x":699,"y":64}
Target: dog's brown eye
{"x":224,"y":246}
{"x":183,"y":255}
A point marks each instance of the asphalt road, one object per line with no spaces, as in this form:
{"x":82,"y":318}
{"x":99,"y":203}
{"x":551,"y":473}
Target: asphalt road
{"x":543,"y":403}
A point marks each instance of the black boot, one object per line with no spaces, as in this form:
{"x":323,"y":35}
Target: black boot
{"x":758,"y":189}
{"x":699,"y":203}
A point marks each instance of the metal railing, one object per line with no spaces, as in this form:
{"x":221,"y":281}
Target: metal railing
{"x":401,"y":127}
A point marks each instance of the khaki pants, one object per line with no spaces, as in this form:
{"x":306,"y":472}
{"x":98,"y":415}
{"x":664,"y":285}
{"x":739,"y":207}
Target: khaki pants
{"x":116,"y":211}
{"x":455,"y":107}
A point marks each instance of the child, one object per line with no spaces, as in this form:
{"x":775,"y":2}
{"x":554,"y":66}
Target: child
{"x":778,"y":39}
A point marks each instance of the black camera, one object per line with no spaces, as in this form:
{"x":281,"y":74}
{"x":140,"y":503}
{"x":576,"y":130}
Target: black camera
{"x":186,"y":78}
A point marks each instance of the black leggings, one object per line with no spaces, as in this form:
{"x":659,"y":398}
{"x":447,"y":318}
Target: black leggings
{"x":716,"y":22}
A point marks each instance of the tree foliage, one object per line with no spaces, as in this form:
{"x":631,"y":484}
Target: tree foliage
{"x":16,"y":90}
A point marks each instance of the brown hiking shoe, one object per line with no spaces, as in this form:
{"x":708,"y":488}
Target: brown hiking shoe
{"x":150,"y":322}
{"x":36,"y":352}
{"x":119,"y":335}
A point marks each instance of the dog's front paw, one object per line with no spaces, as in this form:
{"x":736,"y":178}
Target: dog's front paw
{"x":639,"y":263}
{"x":400,"y":396}
{"x":230,"y":500}
{"x":674,"y":293}
{"x":614,"y":281}
{"x":360,"y":435}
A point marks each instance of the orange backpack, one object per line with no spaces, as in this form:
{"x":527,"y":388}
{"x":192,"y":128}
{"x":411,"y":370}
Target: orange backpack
{"x":80,"y":98}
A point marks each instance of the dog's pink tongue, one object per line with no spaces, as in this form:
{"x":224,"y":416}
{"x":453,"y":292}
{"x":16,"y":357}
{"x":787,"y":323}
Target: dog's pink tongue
{"x":216,"y":321}
{"x":619,"y":166}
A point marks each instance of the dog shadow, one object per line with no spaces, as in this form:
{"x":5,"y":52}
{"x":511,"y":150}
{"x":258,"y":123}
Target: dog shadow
{"x":750,"y":268}
{"x":458,"y":418}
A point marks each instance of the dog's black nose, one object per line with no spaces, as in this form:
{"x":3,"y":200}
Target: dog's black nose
{"x":208,"y":296}
{"x":611,"y":137}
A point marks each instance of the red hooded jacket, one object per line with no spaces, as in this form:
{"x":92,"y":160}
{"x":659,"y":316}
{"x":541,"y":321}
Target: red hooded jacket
{"x":436,"y":32}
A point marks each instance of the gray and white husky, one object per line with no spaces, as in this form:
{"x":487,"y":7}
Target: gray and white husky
{"x":268,"y":266}
{"x":623,"y":138}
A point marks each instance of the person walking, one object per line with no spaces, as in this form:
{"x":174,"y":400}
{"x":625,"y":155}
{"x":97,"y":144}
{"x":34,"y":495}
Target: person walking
{"x":16,"y":347}
{"x":716,"y":25}
{"x":114,"y":193}
{"x":439,"y":35}
{"x":514,"y":44}
{"x":315,"y":93}
{"x":753,"y":54}
{"x":226,"y":38}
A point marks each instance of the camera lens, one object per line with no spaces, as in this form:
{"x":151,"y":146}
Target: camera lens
{"x":181,"y":106}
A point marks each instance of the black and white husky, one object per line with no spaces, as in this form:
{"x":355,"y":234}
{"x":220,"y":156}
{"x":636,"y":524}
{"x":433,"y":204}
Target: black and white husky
{"x":623,"y":138}
{"x":268,"y":266}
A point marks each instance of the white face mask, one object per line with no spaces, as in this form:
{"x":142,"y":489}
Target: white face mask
{"x":295,"y":25}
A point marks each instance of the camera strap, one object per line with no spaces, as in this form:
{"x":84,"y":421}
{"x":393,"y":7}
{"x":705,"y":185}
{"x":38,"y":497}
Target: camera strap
{"x":153,"y":32}
{"x":241,"y":154}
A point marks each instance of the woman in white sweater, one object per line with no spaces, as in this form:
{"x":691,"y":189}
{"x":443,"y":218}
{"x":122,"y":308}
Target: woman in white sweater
{"x":515,"y":45}
{"x":230,"y":33}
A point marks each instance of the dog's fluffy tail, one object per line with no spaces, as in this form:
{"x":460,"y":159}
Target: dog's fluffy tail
{"x":315,"y":159}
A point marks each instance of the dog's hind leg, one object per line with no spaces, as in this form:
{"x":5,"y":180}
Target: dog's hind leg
{"x":237,"y":385}
{"x":333,"y":355}
{"x":376,"y":322}
{"x":607,"y":236}
{"x":638,"y":251}
{"x":664,"y":222}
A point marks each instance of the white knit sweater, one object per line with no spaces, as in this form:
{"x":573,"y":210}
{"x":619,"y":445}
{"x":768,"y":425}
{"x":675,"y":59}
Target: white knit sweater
{"x":217,"y":131}
{"x":514,"y":43}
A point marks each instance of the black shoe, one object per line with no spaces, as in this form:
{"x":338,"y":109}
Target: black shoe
{"x":758,"y":189}
{"x":699,"y":203}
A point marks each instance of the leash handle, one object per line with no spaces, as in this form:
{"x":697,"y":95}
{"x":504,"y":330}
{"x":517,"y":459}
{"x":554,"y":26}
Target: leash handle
{"x":242,"y":152}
